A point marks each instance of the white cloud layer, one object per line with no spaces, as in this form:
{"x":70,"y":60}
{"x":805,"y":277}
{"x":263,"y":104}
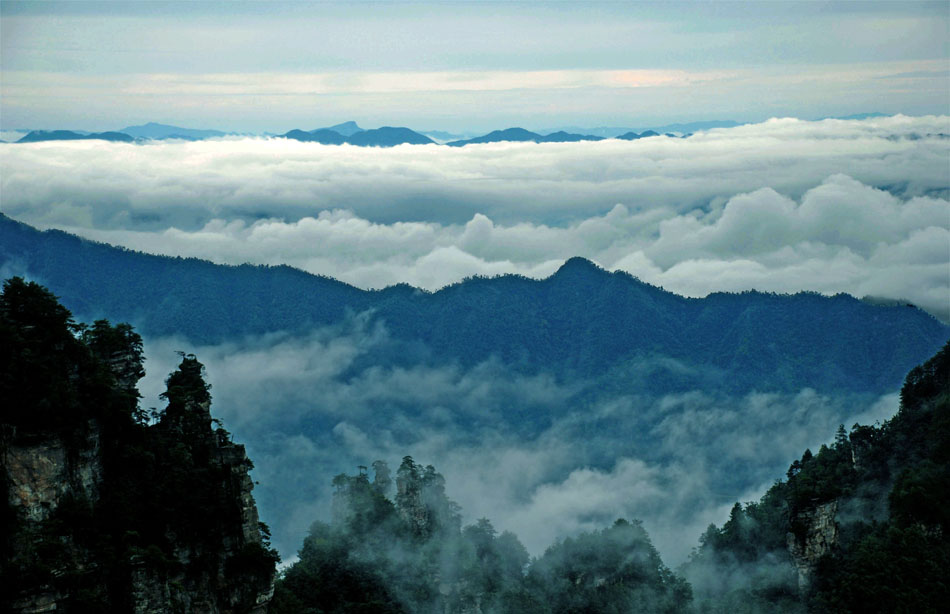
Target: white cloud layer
{"x":833,"y":206}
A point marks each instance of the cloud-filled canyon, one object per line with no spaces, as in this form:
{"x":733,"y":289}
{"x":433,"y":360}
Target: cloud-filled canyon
{"x":311,"y":407}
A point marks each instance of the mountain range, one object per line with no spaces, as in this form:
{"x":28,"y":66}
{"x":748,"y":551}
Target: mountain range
{"x":582,"y":320}
{"x":678,"y":128}
{"x":520,"y":134}
{"x":339,"y":134}
{"x":153,"y":130}
{"x":351,"y":133}
{"x":68,"y":135}
{"x":110,"y":508}
{"x":388,"y":137}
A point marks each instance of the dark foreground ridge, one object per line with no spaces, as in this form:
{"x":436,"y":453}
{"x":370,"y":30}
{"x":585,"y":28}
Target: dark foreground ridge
{"x":105,"y":507}
{"x":582,"y":320}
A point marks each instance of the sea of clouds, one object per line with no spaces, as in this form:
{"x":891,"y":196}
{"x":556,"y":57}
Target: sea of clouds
{"x":834,"y":206}
{"x":785,"y":205}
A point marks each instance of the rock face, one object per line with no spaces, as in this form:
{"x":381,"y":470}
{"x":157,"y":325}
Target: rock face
{"x":218,"y":591}
{"x":817,"y":534}
{"x":421,"y":500}
{"x":40,"y":475}
{"x":102,"y":509}
{"x":44,"y":476}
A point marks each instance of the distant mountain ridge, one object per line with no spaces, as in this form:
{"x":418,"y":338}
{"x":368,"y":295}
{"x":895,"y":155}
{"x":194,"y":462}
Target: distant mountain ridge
{"x":522,"y":135}
{"x":153,"y":130}
{"x":350,"y":132}
{"x":681,"y":128}
{"x":38,"y":136}
{"x":346,"y":128}
{"x":387,"y":136}
{"x":345,"y":133}
{"x":321,"y":135}
{"x":582,"y":320}
{"x":633,"y":136}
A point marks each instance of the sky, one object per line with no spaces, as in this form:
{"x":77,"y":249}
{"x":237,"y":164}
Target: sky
{"x":273,"y":66}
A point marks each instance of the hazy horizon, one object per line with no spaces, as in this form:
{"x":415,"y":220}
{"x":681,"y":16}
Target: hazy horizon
{"x":577,"y":124}
{"x":256,"y":67}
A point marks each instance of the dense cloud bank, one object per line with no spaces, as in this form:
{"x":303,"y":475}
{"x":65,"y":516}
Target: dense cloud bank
{"x":540,"y":456}
{"x":786,"y":205}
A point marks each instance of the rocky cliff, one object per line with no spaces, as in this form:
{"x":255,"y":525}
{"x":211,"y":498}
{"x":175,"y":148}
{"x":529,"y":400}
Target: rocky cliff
{"x":818,"y":536}
{"x":107,"y":509}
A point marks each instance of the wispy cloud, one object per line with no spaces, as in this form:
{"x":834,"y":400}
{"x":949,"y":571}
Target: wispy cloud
{"x":463,"y":97}
{"x":267,"y":84}
{"x":919,"y":74}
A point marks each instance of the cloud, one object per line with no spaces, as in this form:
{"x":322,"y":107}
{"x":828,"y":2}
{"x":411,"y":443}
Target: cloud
{"x":833,"y":206}
{"x":542,"y":457}
{"x":297,"y":84}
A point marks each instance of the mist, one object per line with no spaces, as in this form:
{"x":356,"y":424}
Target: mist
{"x":541,"y":457}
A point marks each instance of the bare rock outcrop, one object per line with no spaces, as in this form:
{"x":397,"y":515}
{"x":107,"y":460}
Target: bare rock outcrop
{"x":815,"y":534}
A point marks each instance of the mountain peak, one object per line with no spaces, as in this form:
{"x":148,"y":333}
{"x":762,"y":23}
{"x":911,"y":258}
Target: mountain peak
{"x":579,"y":265}
{"x":346,"y":128}
{"x":156,"y":130}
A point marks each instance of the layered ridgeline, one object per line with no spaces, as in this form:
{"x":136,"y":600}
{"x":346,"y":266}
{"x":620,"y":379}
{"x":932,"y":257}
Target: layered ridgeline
{"x":582,"y":321}
{"x":861,"y":526}
{"x":105,"y":507}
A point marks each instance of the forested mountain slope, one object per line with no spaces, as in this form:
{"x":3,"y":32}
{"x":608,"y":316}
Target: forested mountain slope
{"x":582,"y":320}
{"x":860,"y":526}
